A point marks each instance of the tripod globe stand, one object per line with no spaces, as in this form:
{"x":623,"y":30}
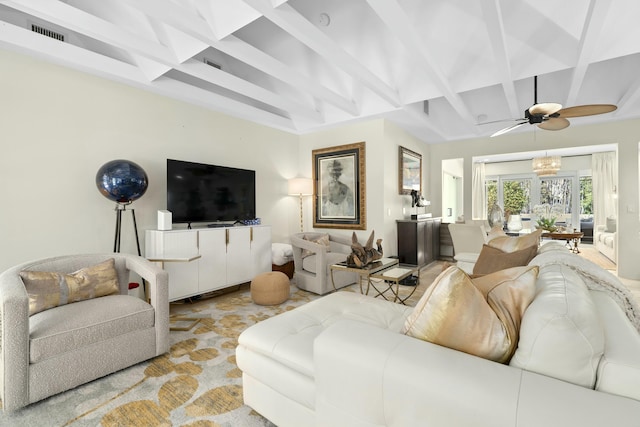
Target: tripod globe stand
{"x":122,"y":181}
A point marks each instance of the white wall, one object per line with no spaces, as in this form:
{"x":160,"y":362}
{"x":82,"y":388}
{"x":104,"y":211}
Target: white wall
{"x":625,"y":134}
{"x":58,"y":126}
{"x":384,"y":203}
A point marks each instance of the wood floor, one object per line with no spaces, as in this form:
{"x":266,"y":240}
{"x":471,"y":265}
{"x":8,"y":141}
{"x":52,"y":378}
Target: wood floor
{"x":591,"y":253}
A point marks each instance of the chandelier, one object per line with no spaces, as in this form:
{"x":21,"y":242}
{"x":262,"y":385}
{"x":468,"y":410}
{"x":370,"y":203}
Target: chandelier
{"x":546,"y":166}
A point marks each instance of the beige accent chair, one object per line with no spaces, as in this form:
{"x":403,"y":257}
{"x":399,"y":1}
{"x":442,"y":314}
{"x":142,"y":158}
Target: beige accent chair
{"x":313,"y":272}
{"x":467,"y":243}
{"x":66,"y":346}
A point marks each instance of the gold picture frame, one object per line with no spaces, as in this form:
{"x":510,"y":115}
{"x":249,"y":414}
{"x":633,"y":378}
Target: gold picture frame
{"x":339,"y":188}
{"x":409,"y":171}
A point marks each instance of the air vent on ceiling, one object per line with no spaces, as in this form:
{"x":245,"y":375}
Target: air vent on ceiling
{"x":45,"y":32}
{"x":212,"y":64}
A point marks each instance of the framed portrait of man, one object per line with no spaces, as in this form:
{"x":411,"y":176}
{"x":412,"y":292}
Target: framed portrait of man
{"x":339,"y":187}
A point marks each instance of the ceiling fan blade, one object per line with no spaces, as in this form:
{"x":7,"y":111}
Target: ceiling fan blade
{"x":500,"y":121}
{"x":586,"y":110}
{"x":544,"y":109}
{"x":508,"y":129}
{"x":554,"y":123}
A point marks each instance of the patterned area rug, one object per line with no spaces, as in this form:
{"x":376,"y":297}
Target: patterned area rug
{"x":197,"y":384}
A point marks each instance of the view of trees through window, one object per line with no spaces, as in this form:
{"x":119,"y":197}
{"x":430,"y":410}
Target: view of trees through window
{"x":516,"y":196}
{"x":586,"y":196}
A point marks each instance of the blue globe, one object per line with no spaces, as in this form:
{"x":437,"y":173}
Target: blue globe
{"x":121,"y":181}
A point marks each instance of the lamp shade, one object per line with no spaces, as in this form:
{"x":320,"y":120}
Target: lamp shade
{"x":300,"y":187}
{"x":546,"y":166}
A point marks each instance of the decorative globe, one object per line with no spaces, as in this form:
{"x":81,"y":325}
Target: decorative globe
{"x":121,"y":181}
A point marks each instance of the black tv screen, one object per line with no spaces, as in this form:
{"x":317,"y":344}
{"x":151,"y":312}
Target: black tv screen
{"x":198,"y":192}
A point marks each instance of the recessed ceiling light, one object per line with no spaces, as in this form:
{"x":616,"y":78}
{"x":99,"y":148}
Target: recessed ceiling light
{"x":324,"y":19}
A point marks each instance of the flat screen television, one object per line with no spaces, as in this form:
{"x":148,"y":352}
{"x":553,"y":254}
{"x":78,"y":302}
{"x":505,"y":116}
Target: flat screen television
{"x":197,"y":192}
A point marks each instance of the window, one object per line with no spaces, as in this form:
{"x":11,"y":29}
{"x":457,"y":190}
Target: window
{"x":586,"y":197}
{"x":491,"y":190}
{"x":516,"y":196}
{"x":520,"y":193}
{"x":557,"y":192}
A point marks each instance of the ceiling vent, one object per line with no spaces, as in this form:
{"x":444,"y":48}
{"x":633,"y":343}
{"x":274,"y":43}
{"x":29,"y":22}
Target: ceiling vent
{"x":45,"y":32}
{"x":212,"y":64}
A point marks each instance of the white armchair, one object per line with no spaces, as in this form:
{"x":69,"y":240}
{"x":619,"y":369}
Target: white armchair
{"x":467,"y":243}
{"x":312,"y":272}
{"x":62,"y":347}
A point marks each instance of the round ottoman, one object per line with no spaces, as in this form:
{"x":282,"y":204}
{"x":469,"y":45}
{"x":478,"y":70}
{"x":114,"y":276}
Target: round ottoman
{"x":270,"y":288}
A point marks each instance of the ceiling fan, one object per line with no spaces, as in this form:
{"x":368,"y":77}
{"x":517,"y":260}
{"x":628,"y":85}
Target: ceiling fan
{"x":551,"y":116}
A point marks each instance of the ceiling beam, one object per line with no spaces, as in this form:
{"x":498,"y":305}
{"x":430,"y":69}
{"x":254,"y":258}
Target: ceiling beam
{"x":591,"y":31}
{"x":287,"y":18}
{"x":146,"y":53}
{"x":25,"y":41}
{"x":235,"y":84}
{"x":82,"y":22}
{"x":392,"y":14}
{"x":495,"y":28}
{"x":200,"y":29}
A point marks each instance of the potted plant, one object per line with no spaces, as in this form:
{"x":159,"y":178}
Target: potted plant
{"x":547,"y":215}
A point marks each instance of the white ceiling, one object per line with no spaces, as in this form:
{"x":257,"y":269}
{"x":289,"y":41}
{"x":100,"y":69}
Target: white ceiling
{"x":436,"y":68}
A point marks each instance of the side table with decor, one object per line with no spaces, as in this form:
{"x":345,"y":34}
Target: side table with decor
{"x":572,"y":238}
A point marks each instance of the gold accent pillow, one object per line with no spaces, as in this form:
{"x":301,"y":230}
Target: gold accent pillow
{"x":512,"y":244}
{"x":321,"y":240}
{"x":480,"y":316}
{"x":492,"y":259}
{"x":49,"y":289}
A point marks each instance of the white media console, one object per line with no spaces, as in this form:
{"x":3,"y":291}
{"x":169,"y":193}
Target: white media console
{"x":227,"y":256}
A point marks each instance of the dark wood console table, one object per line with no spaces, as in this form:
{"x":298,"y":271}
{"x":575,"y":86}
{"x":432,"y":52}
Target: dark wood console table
{"x":418,"y":241}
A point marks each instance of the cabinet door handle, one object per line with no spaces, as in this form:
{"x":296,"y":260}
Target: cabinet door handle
{"x":251,"y":234}
{"x":226,"y":237}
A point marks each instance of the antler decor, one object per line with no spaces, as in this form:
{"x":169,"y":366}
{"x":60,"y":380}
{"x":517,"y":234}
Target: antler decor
{"x":361,"y":256}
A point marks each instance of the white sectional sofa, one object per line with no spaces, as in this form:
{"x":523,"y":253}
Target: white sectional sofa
{"x":342,"y":361}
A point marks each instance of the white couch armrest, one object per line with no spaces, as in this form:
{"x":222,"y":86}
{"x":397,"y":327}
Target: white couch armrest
{"x":368,"y":376}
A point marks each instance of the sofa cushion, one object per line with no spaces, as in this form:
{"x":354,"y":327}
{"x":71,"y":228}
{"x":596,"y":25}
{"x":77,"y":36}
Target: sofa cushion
{"x":611,"y":225}
{"x":561,"y":334}
{"x":65,"y":328}
{"x":320,"y":240}
{"x":496,"y":231}
{"x":288,"y":338}
{"x":493,"y":259}
{"x":619,"y":368}
{"x":480,"y":317}
{"x":50,"y":289}
{"x":512,"y":244}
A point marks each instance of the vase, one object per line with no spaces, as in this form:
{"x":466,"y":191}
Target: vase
{"x":514,"y":223}
{"x":495,"y":216}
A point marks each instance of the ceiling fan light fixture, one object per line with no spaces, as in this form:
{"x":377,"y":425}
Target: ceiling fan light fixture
{"x":546,"y":165}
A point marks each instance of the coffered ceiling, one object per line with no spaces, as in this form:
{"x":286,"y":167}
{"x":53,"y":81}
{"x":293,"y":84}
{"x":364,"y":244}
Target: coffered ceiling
{"x":437,"y":68}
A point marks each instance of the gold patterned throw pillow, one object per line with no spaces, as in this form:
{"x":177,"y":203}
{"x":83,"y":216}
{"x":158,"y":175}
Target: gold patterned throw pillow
{"x":480,"y":316}
{"x":321,"y":240}
{"x":49,"y":289}
{"x":512,"y":244}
